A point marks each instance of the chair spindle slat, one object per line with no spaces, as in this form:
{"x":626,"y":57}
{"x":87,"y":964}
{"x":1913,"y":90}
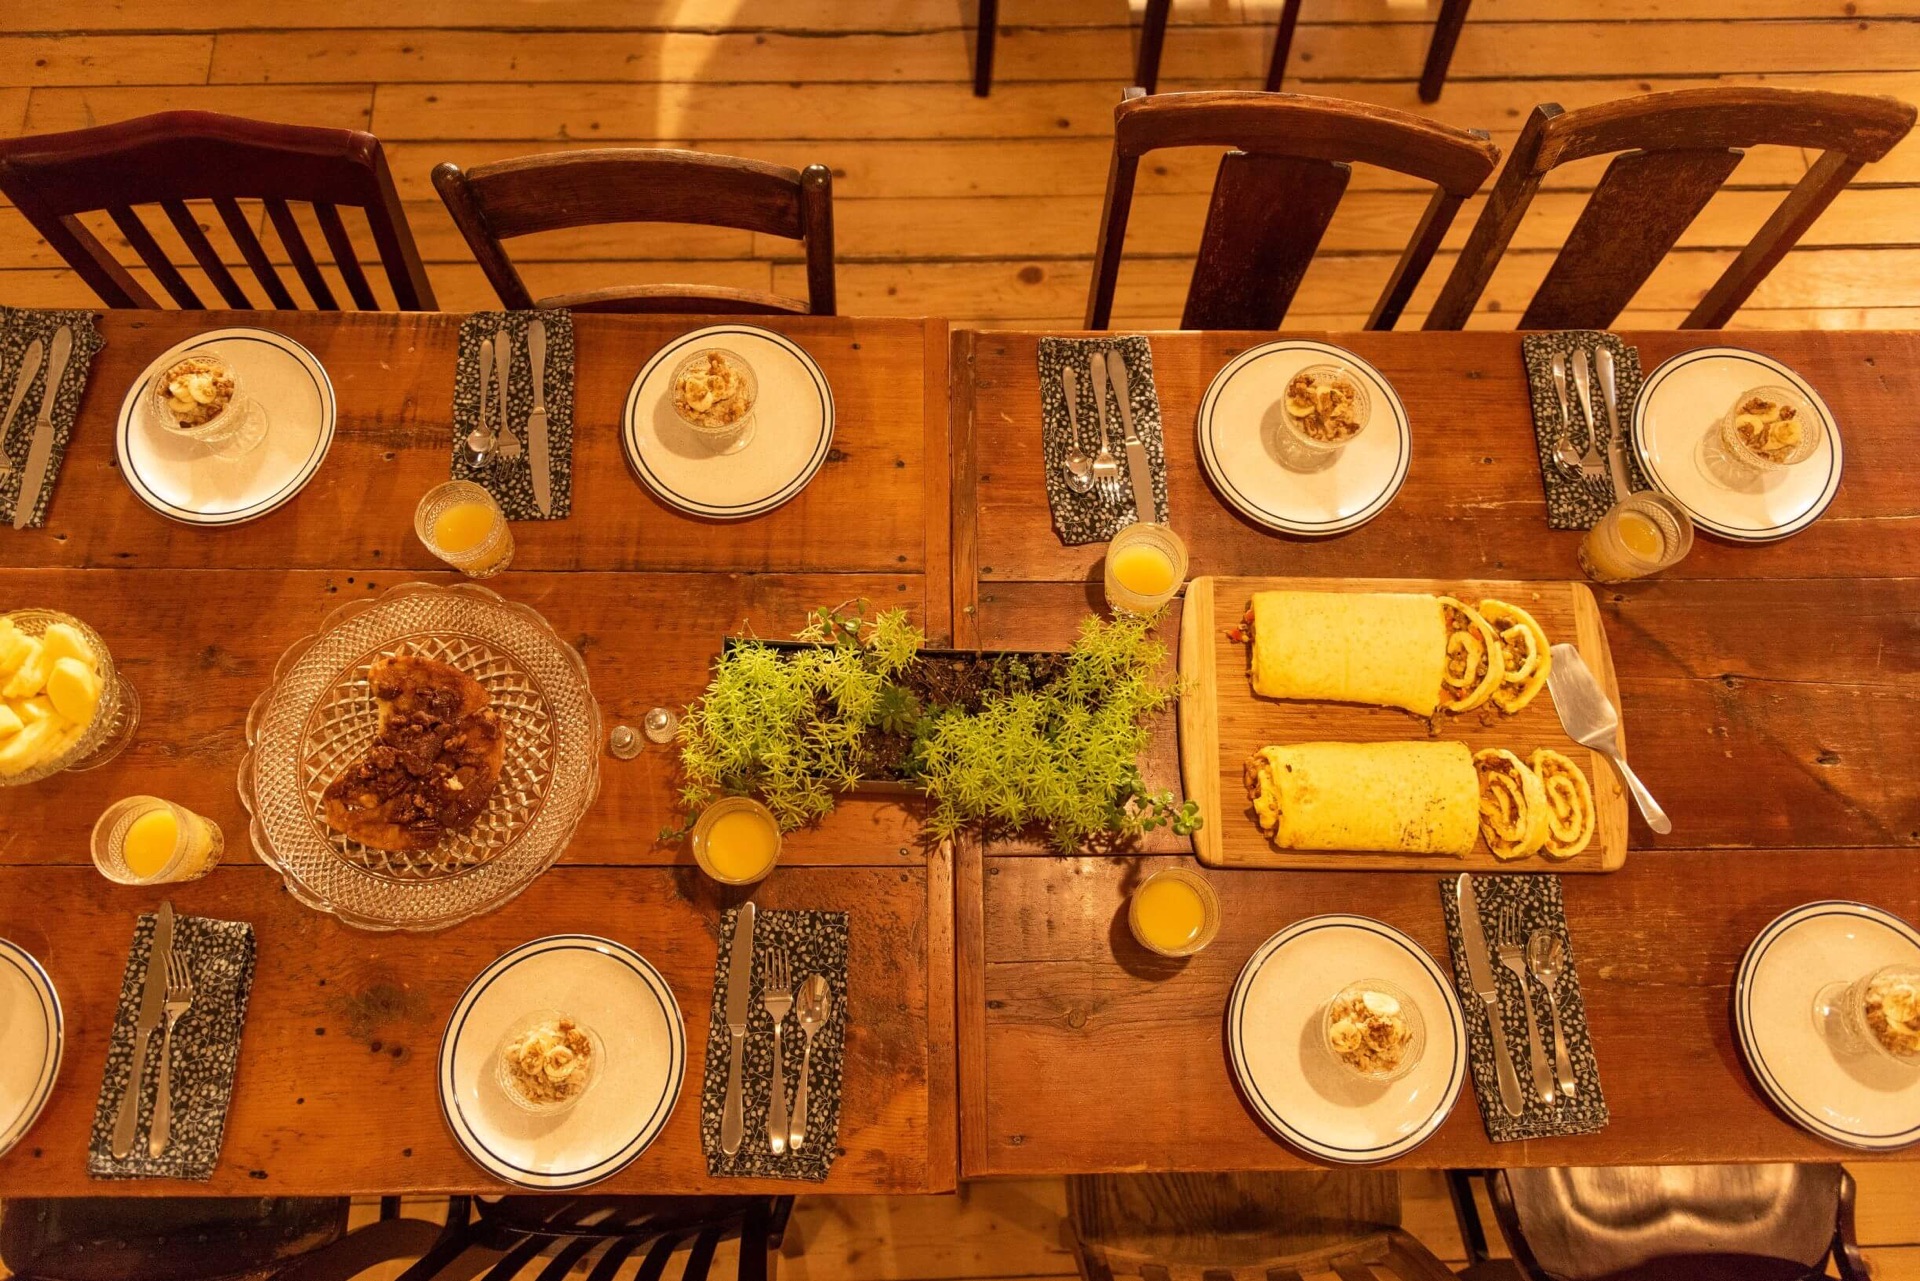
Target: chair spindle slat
{"x":344,"y":259}
{"x":141,"y":241}
{"x":204,"y":253}
{"x":281,"y":215}
{"x":253,"y":251}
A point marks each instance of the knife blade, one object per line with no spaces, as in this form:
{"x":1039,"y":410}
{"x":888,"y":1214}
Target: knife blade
{"x":1143,"y":504}
{"x":1616,"y":460}
{"x":537,"y":420}
{"x":1486,"y":986}
{"x":29,"y":366}
{"x":153,"y":1002}
{"x":41,"y":451}
{"x":739,"y":1007}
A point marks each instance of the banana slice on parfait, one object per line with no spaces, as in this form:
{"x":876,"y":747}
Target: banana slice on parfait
{"x":1513,"y":804}
{"x":1476,"y":659}
{"x":1526,"y":652}
{"x":1570,"y":815}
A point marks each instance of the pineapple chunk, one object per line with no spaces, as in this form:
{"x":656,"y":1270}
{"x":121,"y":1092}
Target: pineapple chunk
{"x":10,"y":721}
{"x":33,"y":709}
{"x":74,"y":690}
{"x":30,"y":677}
{"x":14,"y":648}
{"x":34,"y":744}
{"x":63,"y":640}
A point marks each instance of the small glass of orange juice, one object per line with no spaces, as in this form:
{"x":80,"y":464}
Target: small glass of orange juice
{"x":736,"y":841}
{"x":1641,"y":534}
{"x":1146,"y":563}
{"x":461,"y":524}
{"x":1174,"y":912}
{"x":144,"y":840}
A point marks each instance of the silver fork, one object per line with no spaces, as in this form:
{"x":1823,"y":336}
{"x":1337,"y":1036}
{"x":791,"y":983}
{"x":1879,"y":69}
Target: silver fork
{"x":1593,"y":465}
{"x":503,"y":351}
{"x":778,"y":999}
{"x":1513,"y":955}
{"x":179,"y":1001}
{"x":1106,"y":468}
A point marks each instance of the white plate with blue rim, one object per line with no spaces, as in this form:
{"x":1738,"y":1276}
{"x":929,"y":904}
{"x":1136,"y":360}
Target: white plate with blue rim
{"x":34,"y":1034}
{"x":1858,"y":1100}
{"x":1286,"y":1074}
{"x":1676,"y":433}
{"x":186,"y":480}
{"x":602,"y":985}
{"x":1243,"y":444}
{"x":791,"y":435}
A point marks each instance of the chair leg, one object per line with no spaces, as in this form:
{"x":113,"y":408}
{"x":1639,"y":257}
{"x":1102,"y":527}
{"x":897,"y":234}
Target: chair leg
{"x":1282,"y":45}
{"x":1473,"y":1236}
{"x":1446,"y":34}
{"x":1153,"y":38}
{"x":983,"y":48}
{"x":1847,"y":1259}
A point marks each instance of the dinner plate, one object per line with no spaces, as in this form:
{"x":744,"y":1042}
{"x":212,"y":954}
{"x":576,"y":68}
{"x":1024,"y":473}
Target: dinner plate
{"x":1275,"y":1041}
{"x":1857,"y":1100}
{"x":1241,"y":440}
{"x":185,"y":480}
{"x":603,"y":986}
{"x":793,"y":428}
{"x":1676,"y":433}
{"x":34,"y":1036}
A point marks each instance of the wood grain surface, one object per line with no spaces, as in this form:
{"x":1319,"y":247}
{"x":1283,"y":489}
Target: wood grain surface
{"x":335,"y":1090}
{"x":1771,"y":695}
{"x":1223,"y":723}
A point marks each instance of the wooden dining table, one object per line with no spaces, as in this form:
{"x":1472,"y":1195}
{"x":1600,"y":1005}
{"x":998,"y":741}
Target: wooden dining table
{"x":1770,"y":697}
{"x":335,"y":1090}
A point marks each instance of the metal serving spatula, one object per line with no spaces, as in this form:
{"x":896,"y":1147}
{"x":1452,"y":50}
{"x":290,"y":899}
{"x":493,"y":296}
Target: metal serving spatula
{"x":1591,"y":721}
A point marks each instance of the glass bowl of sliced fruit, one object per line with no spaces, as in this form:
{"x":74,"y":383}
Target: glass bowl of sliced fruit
{"x":63,"y":703}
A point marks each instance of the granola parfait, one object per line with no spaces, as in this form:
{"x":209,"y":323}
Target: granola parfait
{"x":713,"y":392}
{"x":1878,"y":1013}
{"x":1770,"y":429}
{"x":1325,"y":407}
{"x":547,"y":1061}
{"x":199,"y":397}
{"x":1374,"y":1029}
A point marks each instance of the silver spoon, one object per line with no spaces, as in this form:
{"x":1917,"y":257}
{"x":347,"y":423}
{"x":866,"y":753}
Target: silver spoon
{"x":480,"y":440}
{"x":1079,"y":463}
{"x":816,"y":1004}
{"x":1564,"y":452}
{"x":1546,"y":956}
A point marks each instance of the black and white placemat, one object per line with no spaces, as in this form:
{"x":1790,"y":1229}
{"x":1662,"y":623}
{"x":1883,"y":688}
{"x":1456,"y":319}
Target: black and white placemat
{"x":815,"y":943}
{"x":206,"y":1049}
{"x":510,"y":480}
{"x":1574,"y":501}
{"x":18,"y":330}
{"x":1092,"y":517}
{"x":1538,"y":897}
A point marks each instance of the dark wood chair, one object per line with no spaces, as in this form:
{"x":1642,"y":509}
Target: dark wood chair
{"x":1665,"y":1223}
{"x":129,"y":1238}
{"x":519,"y":197}
{"x":1245,"y":1227}
{"x":1676,"y":149}
{"x":1153,"y":39}
{"x":1276,"y":191}
{"x":179,"y":156}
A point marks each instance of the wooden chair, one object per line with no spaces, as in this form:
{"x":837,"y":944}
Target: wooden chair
{"x":1153,"y":38}
{"x":1276,"y":191}
{"x":1676,"y":149}
{"x":530,"y":194}
{"x":177,"y":156}
{"x":1244,"y":1227}
{"x":1666,"y":1223}
{"x":129,"y":1238}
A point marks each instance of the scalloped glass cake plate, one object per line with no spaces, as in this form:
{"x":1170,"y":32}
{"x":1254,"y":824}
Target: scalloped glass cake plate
{"x":318,"y":717}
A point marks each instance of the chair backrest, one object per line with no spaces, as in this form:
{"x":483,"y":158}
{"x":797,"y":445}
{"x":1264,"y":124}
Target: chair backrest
{"x":1676,"y":150}
{"x":179,"y":156}
{"x":1276,"y":191}
{"x":529,"y":194}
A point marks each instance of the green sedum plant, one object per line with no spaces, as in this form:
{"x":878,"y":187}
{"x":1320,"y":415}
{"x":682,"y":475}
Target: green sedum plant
{"x":798,"y":728}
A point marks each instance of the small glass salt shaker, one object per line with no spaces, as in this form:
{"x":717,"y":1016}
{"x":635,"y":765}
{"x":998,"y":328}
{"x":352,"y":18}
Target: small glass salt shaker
{"x":660,"y":724}
{"x":623,"y":743}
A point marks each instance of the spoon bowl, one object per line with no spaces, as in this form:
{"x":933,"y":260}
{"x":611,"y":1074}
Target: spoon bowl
{"x":814,"y":1007}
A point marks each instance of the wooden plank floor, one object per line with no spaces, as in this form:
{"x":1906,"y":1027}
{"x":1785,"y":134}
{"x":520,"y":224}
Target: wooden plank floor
{"x":981,"y":210}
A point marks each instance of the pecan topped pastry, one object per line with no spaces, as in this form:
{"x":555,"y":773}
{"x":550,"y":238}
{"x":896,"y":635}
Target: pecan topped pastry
{"x":433,"y":765}
{"x":196,"y":391}
{"x":1326,"y":405}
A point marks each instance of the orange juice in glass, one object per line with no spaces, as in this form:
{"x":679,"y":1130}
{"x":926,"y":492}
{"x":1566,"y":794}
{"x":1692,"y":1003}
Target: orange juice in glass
{"x":736,"y":841}
{"x":144,"y":840}
{"x":1146,"y":563}
{"x":1174,"y":912}
{"x":462,"y":524}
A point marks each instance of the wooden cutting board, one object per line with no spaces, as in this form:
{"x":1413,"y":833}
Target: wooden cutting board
{"x":1222,"y":723}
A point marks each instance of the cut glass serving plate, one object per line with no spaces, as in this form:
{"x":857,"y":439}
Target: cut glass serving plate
{"x":318,"y":717}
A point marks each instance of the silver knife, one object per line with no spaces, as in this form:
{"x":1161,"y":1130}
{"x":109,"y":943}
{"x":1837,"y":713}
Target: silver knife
{"x":152,"y":1006}
{"x":537,"y":420}
{"x":1486,"y":986}
{"x":1616,"y":461}
{"x":1143,"y":505}
{"x":503,"y":352}
{"x":739,"y":1006}
{"x":29,"y":366}
{"x":40,"y":453}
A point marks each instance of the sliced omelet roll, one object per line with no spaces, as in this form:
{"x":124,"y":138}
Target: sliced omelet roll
{"x":1513,"y":804}
{"x":1570,"y":813}
{"x":1476,"y":660}
{"x":1397,"y":798}
{"x":1528,"y":655}
{"x":1385,"y":648}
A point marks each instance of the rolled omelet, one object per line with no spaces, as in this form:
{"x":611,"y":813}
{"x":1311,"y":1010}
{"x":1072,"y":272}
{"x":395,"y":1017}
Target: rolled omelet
{"x":1513,"y":804}
{"x":1386,"y":648}
{"x":1396,"y":798}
